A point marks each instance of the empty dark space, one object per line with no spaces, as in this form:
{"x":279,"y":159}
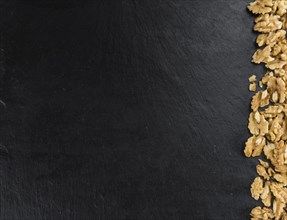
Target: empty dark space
{"x":125,"y":109}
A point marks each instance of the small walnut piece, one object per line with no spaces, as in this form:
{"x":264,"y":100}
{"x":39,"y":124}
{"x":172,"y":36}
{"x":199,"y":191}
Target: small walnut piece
{"x":281,"y":178}
{"x":257,"y":124}
{"x":282,"y":7}
{"x":254,"y":146}
{"x":267,"y":23}
{"x":262,"y":172}
{"x":264,"y":164}
{"x":269,"y":151}
{"x":279,"y":191}
{"x":257,"y":188}
{"x":273,"y":110}
{"x":266,"y":195}
{"x":271,"y":171}
{"x":277,"y":88}
{"x":276,"y":128}
{"x":252,"y":79}
{"x":280,"y":153}
{"x":252,"y":87}
{"x":262,"y":213}
{"x":260,"y":99}
{"x":261,"y":6}
{"x":270,"y":38}
{"x":278,"y":208}
{"x":263,"y":55}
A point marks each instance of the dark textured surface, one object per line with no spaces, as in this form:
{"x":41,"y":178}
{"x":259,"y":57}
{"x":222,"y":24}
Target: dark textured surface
{"x":125,"y":109}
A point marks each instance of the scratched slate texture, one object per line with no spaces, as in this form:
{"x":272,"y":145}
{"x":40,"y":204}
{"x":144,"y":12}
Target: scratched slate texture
{"x":125,"y":109}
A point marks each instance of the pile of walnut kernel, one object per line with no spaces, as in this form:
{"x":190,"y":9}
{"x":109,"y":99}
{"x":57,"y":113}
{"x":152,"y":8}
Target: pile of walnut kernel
{"x":268,"y":119}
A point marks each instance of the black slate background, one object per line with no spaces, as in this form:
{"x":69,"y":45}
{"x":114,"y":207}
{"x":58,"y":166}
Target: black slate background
{"x":125,"y":109}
